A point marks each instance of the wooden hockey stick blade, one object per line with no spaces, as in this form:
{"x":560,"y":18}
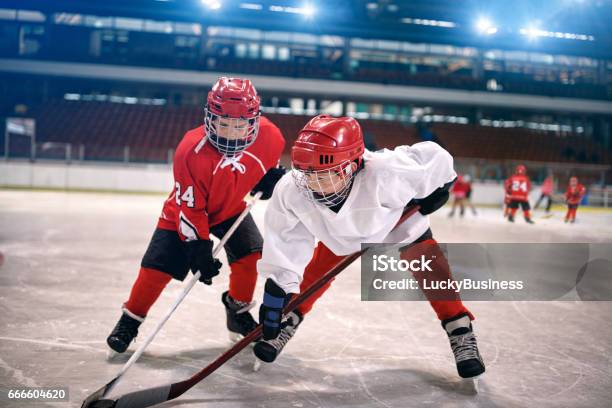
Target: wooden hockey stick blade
{"x":153,"y":396}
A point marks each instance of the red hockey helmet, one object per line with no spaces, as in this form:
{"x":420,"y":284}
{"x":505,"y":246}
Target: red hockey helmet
{"x":520,"y":170}
{"x":326,"y":141}
{"x":231,"y":115}
{"x":323,"y":155}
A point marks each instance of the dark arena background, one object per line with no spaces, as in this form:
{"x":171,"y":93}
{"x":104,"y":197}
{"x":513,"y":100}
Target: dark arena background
{"x":96,"y":95}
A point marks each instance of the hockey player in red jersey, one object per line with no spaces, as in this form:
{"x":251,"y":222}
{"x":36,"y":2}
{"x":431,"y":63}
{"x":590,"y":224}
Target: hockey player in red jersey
{"x":573,"y":195}
{"x":547,"y":191}
{"x":342,"y":195}
{"x":235,"y":152}
{"x":506,"y":204}
{"x":468,"y":197}
{"x":517,"y":188}
{"x":460,"y":191}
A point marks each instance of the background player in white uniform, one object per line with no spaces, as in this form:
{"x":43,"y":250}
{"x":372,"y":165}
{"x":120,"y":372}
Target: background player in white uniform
{"x":342,"y":195}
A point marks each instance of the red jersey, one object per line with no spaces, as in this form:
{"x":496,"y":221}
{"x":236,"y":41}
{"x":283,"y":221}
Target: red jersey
{"x":547,"y":186}
{"x":518,"y":187}
{"x":574,"y":194}
{"x":461,"y":188}
{"x":209,"y":188}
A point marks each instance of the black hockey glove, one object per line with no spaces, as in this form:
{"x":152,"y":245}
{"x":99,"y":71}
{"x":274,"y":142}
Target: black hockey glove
{"x":268,"y":181}
{"x":271,"y":310}
{"x":435,"y":200}
{"x":199,"y":258}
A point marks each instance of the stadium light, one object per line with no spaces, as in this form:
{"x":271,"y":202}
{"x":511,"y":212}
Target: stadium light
{"x":308,"y":10}
{"x":212,"y":4}
{"x":251,"y":6}
{"x":485,"y":26}
{"x":532,"y":32}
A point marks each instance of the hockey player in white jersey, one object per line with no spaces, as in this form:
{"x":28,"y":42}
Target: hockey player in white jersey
{"x":342,"y":195}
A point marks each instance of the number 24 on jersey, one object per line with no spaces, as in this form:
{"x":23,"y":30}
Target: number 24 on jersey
{"x":517,"y":186}
{"x":187,"y":196}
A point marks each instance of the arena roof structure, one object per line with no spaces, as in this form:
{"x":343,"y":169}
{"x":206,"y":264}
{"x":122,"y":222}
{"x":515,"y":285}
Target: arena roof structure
{"x":575,"y":27}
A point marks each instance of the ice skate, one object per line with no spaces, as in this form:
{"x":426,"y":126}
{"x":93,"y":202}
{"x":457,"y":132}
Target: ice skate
{"x":124,"y":332}
{"x":268,"y":350}
{"x":240,"y":322}
{"x":463,"y":344}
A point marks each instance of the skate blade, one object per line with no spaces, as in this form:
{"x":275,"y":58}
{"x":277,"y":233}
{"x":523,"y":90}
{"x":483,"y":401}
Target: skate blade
{"x":111,"y":354}
{"x":234,"y":337}
{"x":257,"y":365}
{"x":471,"y":385}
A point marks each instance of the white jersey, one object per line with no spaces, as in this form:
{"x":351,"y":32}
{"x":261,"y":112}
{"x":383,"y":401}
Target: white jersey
{"x":380,"y":191}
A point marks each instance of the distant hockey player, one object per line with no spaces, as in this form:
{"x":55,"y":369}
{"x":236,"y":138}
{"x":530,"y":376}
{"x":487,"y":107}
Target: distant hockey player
{"x":506,"y":203}
{"x":546,"y":193}
{"x":573,"y":196}
{"x":342,"y":195}
{"x":235,"y":152}
{"x":460,"y":191}
{"x":468,"y":196}
{"x":517,"y":188}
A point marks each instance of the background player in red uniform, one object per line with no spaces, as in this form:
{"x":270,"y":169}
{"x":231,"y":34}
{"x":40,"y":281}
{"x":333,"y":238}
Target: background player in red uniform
{"x":460,"y":191}
{"x":517,"y":188}
{"x":468,"y":196}
{"x":235,"y":152}
{"x":547,"y":192}
{"x":506,"y":203}
{"x":573,"y":196}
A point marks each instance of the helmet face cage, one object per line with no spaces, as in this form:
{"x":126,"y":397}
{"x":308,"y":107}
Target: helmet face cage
{"x":239,"y":133}
{"x":336,"y":180}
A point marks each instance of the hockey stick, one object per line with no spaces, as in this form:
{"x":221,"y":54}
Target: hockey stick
{"x":190,"y":284}
{"x":157,"y":395}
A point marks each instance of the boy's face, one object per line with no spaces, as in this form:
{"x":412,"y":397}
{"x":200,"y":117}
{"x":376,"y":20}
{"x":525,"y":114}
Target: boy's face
{"x":328,"y":181}
{"x":231,"y":128}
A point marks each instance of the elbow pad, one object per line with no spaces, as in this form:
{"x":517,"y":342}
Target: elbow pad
{"x":435,"y":200}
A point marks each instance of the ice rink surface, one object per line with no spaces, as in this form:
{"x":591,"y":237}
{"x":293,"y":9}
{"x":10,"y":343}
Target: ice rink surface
{"x":70,"y":260}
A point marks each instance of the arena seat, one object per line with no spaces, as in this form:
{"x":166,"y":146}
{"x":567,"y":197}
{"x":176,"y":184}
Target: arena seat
{"x":152,"y":131}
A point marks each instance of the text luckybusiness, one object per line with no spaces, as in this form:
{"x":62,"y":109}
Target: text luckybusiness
{"x":384,"y":263}
{"x":448,"y":284}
